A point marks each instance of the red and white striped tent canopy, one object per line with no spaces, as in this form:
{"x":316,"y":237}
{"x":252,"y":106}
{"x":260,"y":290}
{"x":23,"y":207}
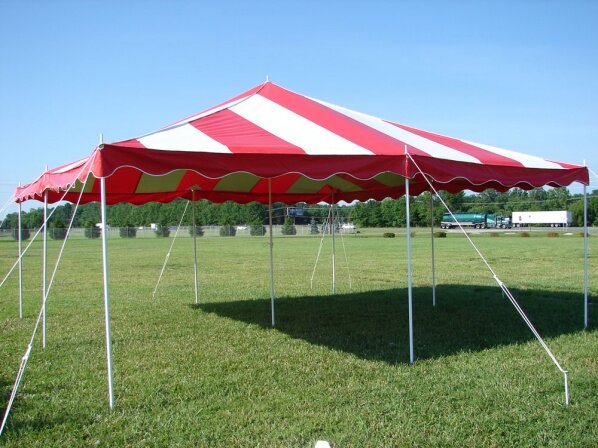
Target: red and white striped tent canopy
{"x":301,"y":148}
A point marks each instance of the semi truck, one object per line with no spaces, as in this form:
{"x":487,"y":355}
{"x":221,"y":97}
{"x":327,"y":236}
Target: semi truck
{"x":560,"y":218}
{"x":475,"y":220}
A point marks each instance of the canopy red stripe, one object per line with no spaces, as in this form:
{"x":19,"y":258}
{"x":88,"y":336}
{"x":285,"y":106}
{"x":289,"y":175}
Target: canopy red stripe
{"x":309,"y":149}
{"x":241,"y":135}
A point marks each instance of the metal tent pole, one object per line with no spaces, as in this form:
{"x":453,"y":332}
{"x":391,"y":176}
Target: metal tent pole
{"x":271,"y":250}
{"x":409,"y":279}
{"x":194,"y":247}
{"x":20,"y":265}
{"x":433,"y":257}
{"x":44,"y":268}
{"x":106,"y":294}
{"x":585,"y":257}
{"x":332,"y":223}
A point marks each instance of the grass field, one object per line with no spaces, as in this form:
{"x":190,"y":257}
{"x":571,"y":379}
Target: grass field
{"x":334,"y":368}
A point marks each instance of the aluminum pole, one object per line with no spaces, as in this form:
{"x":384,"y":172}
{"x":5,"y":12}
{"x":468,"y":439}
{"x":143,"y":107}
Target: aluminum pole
{"x":106,"y":294}
{"x":409,"y":279}
{"x":333,"y":246}
{"x":44,"y":268}
{"x":585,"y":258}
{"x":194,"y":247}
{"x":20,"y":265}
{"x":271,"y":250}
{"x":433,"y":257}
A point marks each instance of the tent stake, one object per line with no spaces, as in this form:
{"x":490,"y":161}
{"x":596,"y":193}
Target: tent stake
{"x":44,"y":268}
{"x":194,"y":247}
{"x":585,"y":257}
{"x":20,"y":265}
{"x":433,"y":257}
{"x":409,"y":280}
{"x":106,"y":294}
{"x":271,"y":250}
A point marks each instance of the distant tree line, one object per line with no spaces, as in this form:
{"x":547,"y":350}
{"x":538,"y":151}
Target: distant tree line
{"x":392,"y":213}
{"x":385,"y":213}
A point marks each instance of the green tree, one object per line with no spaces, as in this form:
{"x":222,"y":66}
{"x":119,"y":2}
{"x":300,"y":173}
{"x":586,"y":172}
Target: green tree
{"x":313,"y":227}
{"x":229,"y":213}
{"x":557,"y":199}
{"x":162,"y":231}
{"x":228,"y":230}
{"x":25,"y":234}
{"x":57,"y":230}
{"x":91,"y":230}
{"x":198,"y":230}
{"x":288,"y":228}
{"x":257,"y":229}
{"x":128,"y":230}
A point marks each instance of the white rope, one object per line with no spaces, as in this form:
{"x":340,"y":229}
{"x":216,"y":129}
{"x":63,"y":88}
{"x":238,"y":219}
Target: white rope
{"x":13,"y":394}
{"x":503,"y":287}
{"x":47,"y":219}
{"x":43,"y":307}
{"x":169,"y":251}
{"x":7,"y":204}
{"x":319,"y":249}
{"x":25,"y":358}
{"x":5,"y":207}
{"x":41,"y":227}
{"x":26,"y":248}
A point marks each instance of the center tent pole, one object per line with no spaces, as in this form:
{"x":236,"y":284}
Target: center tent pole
{"x":271,"y":250}
{"x":409,"y":276}
{"x":332,"y":223}
{"x":585,"y":258}
{"x":44,"y":268}
{"x":20,"y":265}
{"x":433,"y":258}
{"x":106,"y":293}
{"x":194,"y":247}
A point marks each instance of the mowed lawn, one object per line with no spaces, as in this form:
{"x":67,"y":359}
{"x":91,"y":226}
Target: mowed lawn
{"x":335,"y":367}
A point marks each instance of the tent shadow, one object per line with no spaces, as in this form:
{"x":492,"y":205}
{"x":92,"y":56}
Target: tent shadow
{"x":373,"y":325}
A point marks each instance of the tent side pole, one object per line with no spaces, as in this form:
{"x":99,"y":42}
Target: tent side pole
{"x":585,"y":258}
{"x":271,"y":250}
{"x":332,"y":224}
{"x":106,"y":294}
{"x":20,"y":264}
{"x":44,"y":268}
{"x":409,"y":278}
{"x":433,"y":255}
{"x":194,"y":247}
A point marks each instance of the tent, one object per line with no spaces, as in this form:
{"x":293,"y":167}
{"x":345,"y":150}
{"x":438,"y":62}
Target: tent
{"x":271,"y":144}
{"x":307,"y":148}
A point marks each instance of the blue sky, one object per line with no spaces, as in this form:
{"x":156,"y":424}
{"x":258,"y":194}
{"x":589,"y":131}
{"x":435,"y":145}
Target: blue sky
{"x":522,"y":75}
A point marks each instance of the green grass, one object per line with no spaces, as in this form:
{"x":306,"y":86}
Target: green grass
{"x":335,"y":367}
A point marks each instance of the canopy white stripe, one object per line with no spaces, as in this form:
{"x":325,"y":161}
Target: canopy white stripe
{"x":428,"y":146}
{"x":183,"y":138}
{"x":295,"y":129}
{"x":526,"y":160}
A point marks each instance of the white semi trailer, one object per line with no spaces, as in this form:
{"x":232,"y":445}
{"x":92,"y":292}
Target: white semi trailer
{"x":560,"y":218}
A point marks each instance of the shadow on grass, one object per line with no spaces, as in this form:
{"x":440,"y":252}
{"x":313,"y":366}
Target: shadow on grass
{"x":374,"y":325}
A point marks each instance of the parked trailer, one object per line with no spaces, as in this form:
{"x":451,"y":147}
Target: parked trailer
{"x":475,"y":220}
{"x":561,"y":218}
